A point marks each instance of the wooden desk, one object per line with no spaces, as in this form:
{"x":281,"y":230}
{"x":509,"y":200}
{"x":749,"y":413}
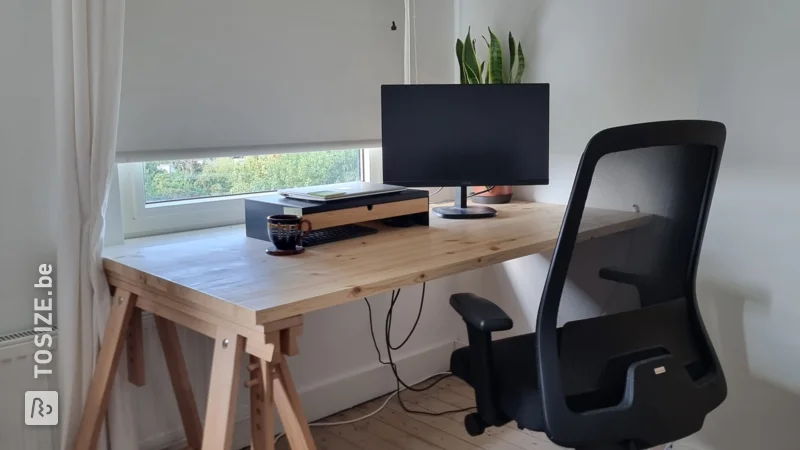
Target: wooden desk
{"x":222,"y":284}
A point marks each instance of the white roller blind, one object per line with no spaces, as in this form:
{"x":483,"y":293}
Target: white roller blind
{"x":212,"y":77}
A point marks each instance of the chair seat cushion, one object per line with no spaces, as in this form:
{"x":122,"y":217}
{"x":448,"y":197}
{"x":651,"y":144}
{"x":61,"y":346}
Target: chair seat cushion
{"x":516,"y":384}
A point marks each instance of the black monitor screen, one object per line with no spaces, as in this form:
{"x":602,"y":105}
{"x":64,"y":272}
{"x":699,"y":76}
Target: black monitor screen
{"x":465,"y":135}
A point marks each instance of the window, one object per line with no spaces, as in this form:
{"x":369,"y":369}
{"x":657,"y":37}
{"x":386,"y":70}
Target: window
{"x":166,"y":196}
{"x":166,"y":181}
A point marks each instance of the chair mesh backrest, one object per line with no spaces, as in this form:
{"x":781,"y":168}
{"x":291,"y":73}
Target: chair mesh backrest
{"x":592,"y":391}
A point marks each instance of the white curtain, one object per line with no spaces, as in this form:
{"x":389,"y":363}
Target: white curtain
{"x":87,"y":46}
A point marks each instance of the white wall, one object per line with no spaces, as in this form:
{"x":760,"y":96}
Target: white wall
{"x":27,"y":133}
{"x":624,"y":61}
{"x":608,"y":63}
{"x":435,"y":46}
{"x":748,"y":269}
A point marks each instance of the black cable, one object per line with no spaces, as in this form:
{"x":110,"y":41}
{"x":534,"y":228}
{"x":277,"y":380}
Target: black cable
{"x":481,"y":192}
{"x":387,"y":330}
{"x":419,"y":314}
{"x":395,"y":295}
{"x":426,"y":413}
{"x":372,"y":332}
{"x":388,"y":325}
{"x":437,"y":191}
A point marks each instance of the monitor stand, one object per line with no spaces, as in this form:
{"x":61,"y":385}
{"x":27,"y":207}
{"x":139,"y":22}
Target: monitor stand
{"x":461,"y":210}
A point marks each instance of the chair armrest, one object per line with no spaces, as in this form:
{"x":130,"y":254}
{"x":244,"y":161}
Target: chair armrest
{"x":482,"y":317}
{"x":480,"y":313}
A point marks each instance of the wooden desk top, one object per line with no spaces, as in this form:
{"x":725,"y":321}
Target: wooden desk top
{"x":223,"y":272}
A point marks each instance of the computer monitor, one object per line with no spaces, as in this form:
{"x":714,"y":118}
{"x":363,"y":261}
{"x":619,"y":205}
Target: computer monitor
{"x":465,"y":135}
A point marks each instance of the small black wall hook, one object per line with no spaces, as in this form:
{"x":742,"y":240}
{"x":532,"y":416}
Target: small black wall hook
{"x":394,"y":27}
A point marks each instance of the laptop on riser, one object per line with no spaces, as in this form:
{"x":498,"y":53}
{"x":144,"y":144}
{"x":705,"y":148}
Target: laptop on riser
{"x":340,"y":191}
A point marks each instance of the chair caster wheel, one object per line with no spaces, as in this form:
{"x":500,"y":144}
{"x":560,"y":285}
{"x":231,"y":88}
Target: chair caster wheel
{"x":474,"y":424}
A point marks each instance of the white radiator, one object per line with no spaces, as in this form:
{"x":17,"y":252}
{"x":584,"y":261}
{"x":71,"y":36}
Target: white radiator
{"x":16,"y":377}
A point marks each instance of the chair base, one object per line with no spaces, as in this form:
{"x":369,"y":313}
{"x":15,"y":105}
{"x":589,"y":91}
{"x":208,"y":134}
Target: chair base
{"x":474,"y":424}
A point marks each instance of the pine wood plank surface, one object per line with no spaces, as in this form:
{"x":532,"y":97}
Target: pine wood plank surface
{"x":395,"y":429}
{"x":223,"y":272}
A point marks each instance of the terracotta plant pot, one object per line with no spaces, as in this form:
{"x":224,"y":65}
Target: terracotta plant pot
{"x":498,"y":194}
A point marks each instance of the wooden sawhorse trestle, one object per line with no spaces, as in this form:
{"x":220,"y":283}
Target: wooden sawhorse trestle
{"x":270,"y":382}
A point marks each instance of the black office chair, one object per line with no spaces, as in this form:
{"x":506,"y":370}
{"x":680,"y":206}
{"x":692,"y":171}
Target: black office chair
{"x":637,"y":378}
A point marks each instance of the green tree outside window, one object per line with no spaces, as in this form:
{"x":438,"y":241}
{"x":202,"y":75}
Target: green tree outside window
{"x":185,"y":179}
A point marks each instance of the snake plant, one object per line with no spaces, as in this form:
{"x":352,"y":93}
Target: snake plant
{"x":472,"y":70}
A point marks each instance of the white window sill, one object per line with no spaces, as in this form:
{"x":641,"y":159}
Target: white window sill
{"x":197,"y":201}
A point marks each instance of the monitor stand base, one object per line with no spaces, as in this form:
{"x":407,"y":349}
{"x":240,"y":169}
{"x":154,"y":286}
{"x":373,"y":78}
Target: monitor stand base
{"x":470,"y":212}
{"x":463,"y":211}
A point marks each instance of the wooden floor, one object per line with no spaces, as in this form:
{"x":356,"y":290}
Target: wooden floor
{"x":394,"y":429}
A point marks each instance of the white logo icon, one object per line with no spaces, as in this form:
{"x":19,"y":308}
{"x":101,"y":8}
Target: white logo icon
{"x":41,"y":408}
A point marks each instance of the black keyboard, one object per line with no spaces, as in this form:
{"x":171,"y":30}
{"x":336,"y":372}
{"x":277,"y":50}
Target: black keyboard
{"x":333,"y":234}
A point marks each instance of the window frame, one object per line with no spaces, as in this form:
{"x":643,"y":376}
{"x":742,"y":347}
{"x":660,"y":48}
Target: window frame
{"x":140,"y":219}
